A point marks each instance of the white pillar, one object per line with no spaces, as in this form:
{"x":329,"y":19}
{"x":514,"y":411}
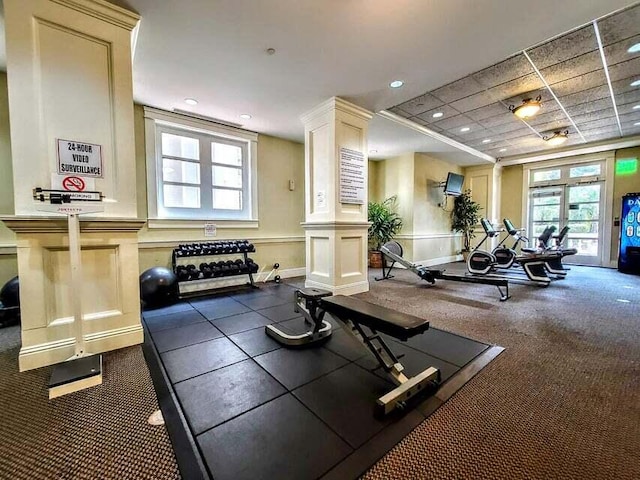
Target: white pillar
{"x":336,"y":222}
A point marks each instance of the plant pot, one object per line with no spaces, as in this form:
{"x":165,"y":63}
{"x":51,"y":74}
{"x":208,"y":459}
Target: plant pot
{"x":465,"y":255}
{"x":375,"y":259}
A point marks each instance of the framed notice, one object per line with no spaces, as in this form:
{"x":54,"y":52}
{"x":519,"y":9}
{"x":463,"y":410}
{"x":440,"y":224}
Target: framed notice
{"x":79,"y":159}
{"x":352,"y":176}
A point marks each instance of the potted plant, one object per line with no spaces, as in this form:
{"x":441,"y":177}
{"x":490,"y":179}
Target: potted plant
{"x":464,"y":217}
{"x":385,"y":223}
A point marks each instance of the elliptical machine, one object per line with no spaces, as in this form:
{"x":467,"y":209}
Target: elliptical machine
{"x":506,"y":256}
{"x":484,"y":263}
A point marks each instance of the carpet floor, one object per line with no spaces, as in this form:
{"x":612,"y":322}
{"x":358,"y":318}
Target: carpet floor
{"x":561,"y":402}
{"x":98,"y":433}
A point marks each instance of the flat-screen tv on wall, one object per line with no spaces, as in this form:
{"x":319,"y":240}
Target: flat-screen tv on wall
{"x":453,"y":185}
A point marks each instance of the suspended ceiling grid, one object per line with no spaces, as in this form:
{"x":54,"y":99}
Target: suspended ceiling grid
{"x":571,"y":65}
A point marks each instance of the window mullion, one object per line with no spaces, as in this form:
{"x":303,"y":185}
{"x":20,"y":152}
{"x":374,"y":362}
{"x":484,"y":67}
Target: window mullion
{"x":206,"y":183}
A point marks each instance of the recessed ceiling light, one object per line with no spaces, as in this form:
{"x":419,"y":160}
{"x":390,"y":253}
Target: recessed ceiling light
{"x":635,"y":83}
{"x":465,"y":129}
{"x":503,"y":150}
{"x":623,"y":300}
{"x":637,"y":124}
{"x":190,"y":101}
{"x":437,"y":115}
{"x":246,"y":116}
{"x":486,"y":140}
{"x":396,"y":84}
{"x":634,"y":48}
{"x":636,"y":107}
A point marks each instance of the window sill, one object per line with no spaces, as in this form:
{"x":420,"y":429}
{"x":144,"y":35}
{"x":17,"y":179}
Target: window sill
{"x":199,"y":224}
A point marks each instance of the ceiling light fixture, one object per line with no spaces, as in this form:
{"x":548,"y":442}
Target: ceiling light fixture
{"x":465,"y":129}
{"x":528,"y":109}
{"x":503,"y":150}
{"x":190,"y":101}
{"x":246,"y":116}
{"x":437,"y":115}
{"x":486,"y":140}
{"x":635,"y":83}
{"x":634,"y":48}
{"x":396,"y":84}
{"x":637,"y":124}
{"x":636,"y":107}
{"x":558,"y":138}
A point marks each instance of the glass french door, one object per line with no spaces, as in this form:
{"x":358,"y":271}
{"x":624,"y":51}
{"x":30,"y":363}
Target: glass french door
{"x":579,"y":204}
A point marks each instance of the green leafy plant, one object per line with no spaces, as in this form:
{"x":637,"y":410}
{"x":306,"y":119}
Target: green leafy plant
{"x":464,"y":217}
{"x":385,"y":222}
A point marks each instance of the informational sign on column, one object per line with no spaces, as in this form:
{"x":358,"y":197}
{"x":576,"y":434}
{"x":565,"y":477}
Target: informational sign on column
{"x":79,"y":159}
{"x":352,"y":177}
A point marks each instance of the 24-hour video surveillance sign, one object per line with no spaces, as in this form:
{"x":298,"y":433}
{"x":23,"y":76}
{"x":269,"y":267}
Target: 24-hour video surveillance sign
{"x":79,"y":158}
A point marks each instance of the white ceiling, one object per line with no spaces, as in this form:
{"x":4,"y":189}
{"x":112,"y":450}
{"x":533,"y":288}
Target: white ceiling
{"x":215,"y":51}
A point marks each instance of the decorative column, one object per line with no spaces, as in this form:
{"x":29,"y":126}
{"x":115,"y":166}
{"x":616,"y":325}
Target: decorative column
{"x":71,"y":114}
{"x":336,"y":196}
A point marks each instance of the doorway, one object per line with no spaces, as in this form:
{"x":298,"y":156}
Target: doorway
{"x":571,"y":195}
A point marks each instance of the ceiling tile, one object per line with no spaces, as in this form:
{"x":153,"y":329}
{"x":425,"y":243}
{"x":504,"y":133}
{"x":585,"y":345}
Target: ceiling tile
{"x":420,"y":104}
{"x":629,"y":69}
{"x":563,"y":48}
{"x":476,"y":129}
{"x":553,"y":126}
{"x":623,"y":86}
{"x":632,"y":130}
{"x":445,"y":109}
{"x":503,"y":72}
{"x":587,"y":124}
{"x":589,"y":107}
{"x":453,"y":122}
{"x":611,"y":130}
{"x":547,"y":117}
{"x":585,"y":96}
{"x":492,"y":110}
{"x":473,"y":102}
{"x":589,"y":62}
{"x":519,"y":86}
{"x":582,"y":82}
{"x":617,"y":52}
{"x":465,"y":87}
{"x":514,"y":124}
{"x":398,"y":111}
{"x":502,"y":119}
{"x":627,"y":108}
{"x":622,"y":25}
{"x":517,"y":99}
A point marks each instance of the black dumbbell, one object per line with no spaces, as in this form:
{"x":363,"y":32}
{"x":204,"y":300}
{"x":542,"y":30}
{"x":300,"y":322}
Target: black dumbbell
{"x":215,"y":268}
{"x":193,"y":272}
{"x":182,"y":273}
{"x":206,"y":270}
{"x":233,"y":246}
{"x":250,"y":247}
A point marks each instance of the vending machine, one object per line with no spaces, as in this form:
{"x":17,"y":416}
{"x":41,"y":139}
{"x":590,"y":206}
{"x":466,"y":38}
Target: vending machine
{"x":629,"y":255}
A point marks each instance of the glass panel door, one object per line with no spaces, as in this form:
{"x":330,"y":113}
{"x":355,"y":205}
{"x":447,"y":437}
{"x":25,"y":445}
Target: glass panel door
{"x":583,"y":217}
{"x":547,"y":208}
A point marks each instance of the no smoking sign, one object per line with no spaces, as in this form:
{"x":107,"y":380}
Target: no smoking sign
{"x":73,"y":184}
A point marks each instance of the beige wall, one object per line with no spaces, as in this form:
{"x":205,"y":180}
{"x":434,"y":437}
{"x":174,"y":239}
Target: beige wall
{"x":279,"y":237}
{"x":8,"y":260}
{"x":395,"y":177}
{"x":374,"y":181}
{"x":511,"y":197}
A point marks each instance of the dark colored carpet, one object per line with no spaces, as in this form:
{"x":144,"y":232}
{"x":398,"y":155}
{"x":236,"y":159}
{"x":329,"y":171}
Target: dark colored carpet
{"x":562,"y":401}
{"x":100,"y":432}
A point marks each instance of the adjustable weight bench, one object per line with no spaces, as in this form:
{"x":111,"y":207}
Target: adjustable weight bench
{"x":365,"y":321}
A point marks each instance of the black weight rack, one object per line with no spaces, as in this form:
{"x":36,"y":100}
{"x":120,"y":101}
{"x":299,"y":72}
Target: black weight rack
{"x":185,"y":259}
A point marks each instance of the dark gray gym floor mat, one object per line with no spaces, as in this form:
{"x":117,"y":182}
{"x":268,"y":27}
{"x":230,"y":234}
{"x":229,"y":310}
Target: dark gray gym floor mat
{"x":227,"y":392}
{"x":173,"y":320}
{"x":346,"y":346}
{"x":241,"y":323}
{"x":447,"y":346}
{"x":293,"y":368}
{"x":197,"y":359}
{"x":222,"y":309}
{"x":173,"y":338}
{"x":255,"y":342}
{"x":178,"y":307}
{"x":345,"y":400}
{"x":265,"y":301}
{"x":279,"y":440}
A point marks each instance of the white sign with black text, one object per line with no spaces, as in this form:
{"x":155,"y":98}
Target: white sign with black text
{"x":79,"y":159}
{"x":352,"y":176}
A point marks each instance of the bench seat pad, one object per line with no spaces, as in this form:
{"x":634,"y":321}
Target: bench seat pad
{"x":396,"y":324}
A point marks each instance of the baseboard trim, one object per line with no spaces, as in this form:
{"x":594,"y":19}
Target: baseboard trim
{"x":50,"y":353}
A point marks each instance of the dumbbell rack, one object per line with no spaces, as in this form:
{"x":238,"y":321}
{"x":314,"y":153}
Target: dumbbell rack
{"x":212,"y":284}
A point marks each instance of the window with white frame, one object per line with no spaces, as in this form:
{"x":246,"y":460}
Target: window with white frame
{"x":199,"y":170}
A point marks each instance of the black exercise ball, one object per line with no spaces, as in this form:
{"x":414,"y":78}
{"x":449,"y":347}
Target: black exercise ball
{"x":10,"y":293}
{"x":10,"y":303}
{"x":158,"y":287}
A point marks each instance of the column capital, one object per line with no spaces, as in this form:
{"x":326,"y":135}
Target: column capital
{"x":336,"y":103}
